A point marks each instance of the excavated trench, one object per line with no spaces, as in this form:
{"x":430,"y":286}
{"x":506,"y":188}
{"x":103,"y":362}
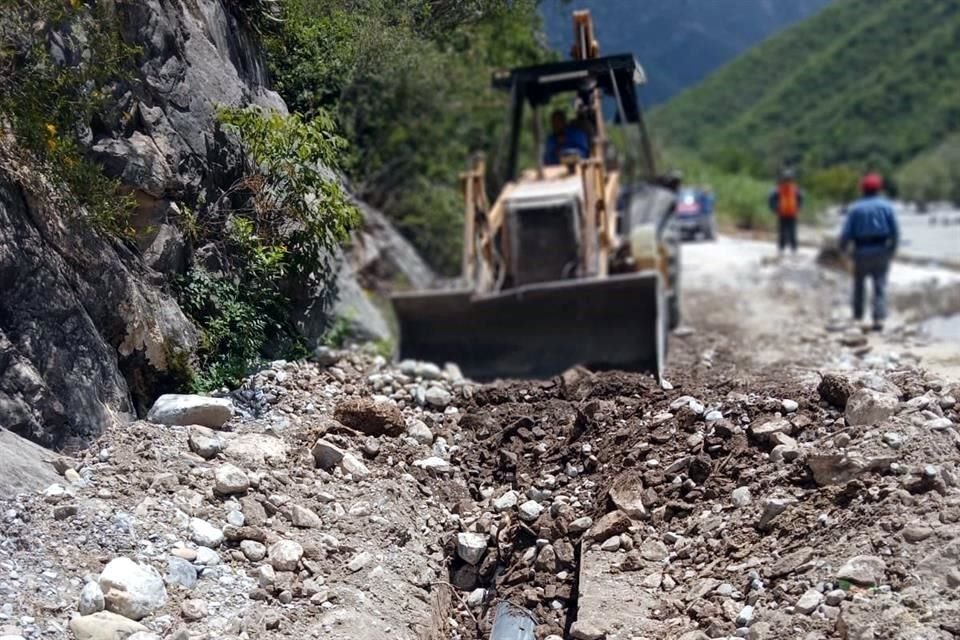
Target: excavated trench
{"x":579,"y":447}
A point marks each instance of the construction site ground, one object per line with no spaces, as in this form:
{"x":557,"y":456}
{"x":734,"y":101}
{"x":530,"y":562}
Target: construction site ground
{"x":793,"y":477}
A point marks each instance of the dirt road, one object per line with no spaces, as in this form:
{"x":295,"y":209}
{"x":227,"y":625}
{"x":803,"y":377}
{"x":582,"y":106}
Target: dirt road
{"x":754,"y":313}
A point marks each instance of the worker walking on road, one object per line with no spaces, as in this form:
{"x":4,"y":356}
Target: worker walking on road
{"x":871,"y":228}
{"x":786,"y":201}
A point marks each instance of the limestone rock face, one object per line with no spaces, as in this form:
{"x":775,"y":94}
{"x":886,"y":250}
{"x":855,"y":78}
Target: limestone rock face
{"x":82,"y":331}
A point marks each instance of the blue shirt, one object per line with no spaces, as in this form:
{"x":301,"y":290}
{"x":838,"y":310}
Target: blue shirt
{"x":871,"y":227}
{"x":573,"y":139}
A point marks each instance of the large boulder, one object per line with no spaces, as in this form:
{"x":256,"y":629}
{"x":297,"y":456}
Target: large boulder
{"x":185,"y":409}
{"x":132,"y":590}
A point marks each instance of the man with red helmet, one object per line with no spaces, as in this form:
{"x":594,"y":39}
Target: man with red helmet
{"x":871,"y":229}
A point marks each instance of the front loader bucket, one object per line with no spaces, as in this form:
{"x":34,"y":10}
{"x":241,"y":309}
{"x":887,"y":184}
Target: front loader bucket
{"x":539,"y":331}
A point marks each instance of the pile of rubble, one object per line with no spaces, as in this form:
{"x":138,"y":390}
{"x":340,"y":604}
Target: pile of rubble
{"x":346,"y":497}
{"x":297,"y":506}
{"x":642,"y":513}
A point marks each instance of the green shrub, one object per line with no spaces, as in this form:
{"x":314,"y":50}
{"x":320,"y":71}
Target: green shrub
{"x":835,"y":184}
{"x":58,"y":60}
{"x":279,"y":228}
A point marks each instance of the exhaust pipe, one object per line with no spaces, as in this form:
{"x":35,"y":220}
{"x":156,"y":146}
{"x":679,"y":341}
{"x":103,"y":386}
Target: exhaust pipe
{"x":512,"y":623}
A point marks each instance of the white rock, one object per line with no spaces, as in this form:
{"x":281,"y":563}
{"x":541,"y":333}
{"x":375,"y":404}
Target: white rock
{"x":869,"y":407}
{"x":132,"y":590}
{"x":530,"y":510}
{"x":327,"y":455}
{"x":809,"y":602}
{"x":285,"y":555}
{"x":864,"y":571}
{"x":91,"y":599}
{"x":55,"y":493}
{"x":207,"y":557}
{"x":745,"y":617}
{"x":304,"y":518}
{"x":255,"y":449}
{"x":789,"y":406}
{"x":438,"y":397}
{"x":419,"y":431}
{"x":893,"y":439}
{"x":428,"y":371}
{"x":611,"y":544}
{"x":476,"y":597}
{"x":253,"y":550}
{"x":835,"y":597}
{"x":205,"y":534}
{"x":580,"y":525}
{"x":940,"y":424}
{"x":505,"y":502}
{"x":741,"y":496}
{"x":266,"y":576}
{"x":352,"y":465}
{"x":205,"y":443}
{"x":472,"y":546}
{"x":104,"y":625}
{"x":773,"y":508}
{"x":361,"y":509}
{"x":230,"y":480}
{"x":194,"y":610}
{"x":653,"y":581}
{"x":183,"y":410}
{"x":359,"y":561}
{"x":433,"y":463}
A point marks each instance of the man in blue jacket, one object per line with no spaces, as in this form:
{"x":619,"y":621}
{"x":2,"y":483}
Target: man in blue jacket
{"x":871,"y":228}
{"x":564,"y":137}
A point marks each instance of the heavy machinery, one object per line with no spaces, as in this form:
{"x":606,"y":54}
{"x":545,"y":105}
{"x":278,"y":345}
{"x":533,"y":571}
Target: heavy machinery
{"x":573,"y":263}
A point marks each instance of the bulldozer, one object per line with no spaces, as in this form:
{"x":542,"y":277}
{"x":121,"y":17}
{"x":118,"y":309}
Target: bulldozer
{"x":573,"y":262}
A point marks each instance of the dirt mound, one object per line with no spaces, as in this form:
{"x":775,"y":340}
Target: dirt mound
{"x":725,"y":511}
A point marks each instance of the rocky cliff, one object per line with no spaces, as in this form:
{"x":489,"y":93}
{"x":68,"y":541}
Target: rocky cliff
{"x":79,"y":323}
{"x":87,"y":326}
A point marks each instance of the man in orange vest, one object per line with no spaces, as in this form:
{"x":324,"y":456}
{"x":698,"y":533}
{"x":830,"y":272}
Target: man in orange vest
{"x":786,"y":201}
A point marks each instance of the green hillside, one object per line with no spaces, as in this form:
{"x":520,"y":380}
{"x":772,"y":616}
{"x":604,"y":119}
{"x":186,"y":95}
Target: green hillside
{"x":679,"y":42}
{"x":864,"y":82}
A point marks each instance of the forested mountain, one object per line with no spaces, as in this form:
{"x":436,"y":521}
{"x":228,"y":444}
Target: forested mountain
{"x":863,"y":83}
{"x":679,"y":42}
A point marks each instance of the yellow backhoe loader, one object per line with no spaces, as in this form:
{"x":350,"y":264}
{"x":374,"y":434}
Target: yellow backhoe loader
{"x":573,"y":263}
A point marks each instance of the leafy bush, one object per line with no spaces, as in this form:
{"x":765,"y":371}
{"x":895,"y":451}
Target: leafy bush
{"x":58,"y":61}
{"x":278,"y":229}
{"x":835,"y":184}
